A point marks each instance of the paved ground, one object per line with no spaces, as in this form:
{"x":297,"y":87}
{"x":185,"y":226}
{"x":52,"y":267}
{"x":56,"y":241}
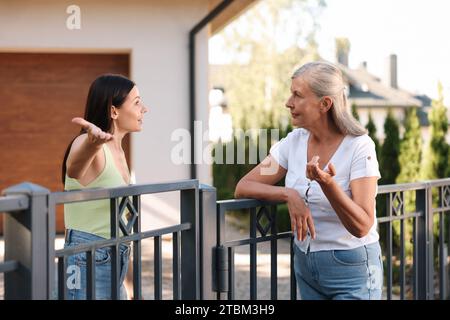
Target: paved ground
{"x":242,"y":264}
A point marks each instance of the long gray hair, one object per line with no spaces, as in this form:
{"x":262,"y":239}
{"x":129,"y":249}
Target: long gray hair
{"x":325,"y":79}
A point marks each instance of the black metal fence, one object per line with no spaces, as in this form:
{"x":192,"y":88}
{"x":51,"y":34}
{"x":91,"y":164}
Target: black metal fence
{"x":225,"y":250}
{"x":413,"y":222}
{"x":421,"y":258}
{"x":29,"y":235}
{"x":418,"y":275}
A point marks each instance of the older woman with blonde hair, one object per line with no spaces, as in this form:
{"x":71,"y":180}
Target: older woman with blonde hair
{"x":331,"y":172}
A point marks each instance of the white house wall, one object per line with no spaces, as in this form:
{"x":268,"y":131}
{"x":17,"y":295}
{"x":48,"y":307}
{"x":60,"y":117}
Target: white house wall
{"x":155,"y":33}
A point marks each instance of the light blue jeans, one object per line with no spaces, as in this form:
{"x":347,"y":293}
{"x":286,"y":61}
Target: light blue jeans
{"x":355,"y":274}
{"x":77,"y":268}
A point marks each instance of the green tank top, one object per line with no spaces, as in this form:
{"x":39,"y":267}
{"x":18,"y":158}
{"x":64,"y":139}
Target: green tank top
{"x":93,"y":216}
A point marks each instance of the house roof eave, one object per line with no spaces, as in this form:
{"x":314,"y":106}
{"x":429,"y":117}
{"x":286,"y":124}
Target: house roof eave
{"x":232,"y":12}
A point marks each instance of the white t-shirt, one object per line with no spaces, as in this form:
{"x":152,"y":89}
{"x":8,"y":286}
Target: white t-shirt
{"x":355,"y":158}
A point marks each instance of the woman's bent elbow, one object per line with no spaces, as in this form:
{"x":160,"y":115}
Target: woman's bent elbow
{"x":238,"y":191}
{"x":361,"y":232}
{"x":73,"y":174}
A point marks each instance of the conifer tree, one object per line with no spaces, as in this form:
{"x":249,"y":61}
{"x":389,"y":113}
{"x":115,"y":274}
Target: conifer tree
{"x":355,"y":112}
{"x":410,"y":149}
{"x":389,"y":164}
{"x":436,"y":164}
{"x":437,"y":156}
{"x":410,"y":163}
{"x":372,"y":132}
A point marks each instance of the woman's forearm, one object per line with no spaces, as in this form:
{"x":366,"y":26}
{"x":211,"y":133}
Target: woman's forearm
{"x":261,"y":191}
{"x":354,"y":218}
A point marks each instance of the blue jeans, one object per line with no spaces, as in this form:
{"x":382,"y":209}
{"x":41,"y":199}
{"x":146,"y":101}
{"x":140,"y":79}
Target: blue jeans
{"x":355,"y":274}
{"x":77,"y":268}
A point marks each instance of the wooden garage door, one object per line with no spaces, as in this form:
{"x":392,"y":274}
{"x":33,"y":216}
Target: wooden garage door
{"x":39,"y":95}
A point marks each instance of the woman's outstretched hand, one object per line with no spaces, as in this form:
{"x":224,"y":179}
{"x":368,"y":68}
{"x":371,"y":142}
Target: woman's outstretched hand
{"x":313,"y":171}
{"x":301,"y":219}
{"x":95,"y":135}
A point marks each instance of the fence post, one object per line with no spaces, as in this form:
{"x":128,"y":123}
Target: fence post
{"x":208,"y":237}
{"x":26,"y":241}
{"x":424,"y":244}
{"x":190,"y":258}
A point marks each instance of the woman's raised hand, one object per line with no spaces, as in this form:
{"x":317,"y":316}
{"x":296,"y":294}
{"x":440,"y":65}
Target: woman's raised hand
{"x":95,"y":135}
{"x":300,"y":214}
{"x":313,"y":171}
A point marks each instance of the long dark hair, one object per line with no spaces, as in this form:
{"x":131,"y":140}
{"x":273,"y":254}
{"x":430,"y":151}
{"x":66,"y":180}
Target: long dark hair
{"x":106,"y":91}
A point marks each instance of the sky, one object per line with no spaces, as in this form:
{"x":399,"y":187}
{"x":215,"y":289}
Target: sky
{"x":417,"y":31}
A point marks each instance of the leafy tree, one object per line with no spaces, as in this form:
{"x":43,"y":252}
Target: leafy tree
{"x":257,"y":79}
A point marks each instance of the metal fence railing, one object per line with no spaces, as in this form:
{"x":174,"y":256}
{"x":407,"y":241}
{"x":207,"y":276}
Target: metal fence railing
{"x":13,"y":204}
{"x":30,"y":215}
{"x":226,"y":249}
{"x":413,"y":225}
{"x":416,"y":223}
{"x":410,"y":235}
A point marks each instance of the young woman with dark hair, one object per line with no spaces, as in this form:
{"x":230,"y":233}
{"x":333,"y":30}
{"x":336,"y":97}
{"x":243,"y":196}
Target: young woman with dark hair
{"x":95,"y":159}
